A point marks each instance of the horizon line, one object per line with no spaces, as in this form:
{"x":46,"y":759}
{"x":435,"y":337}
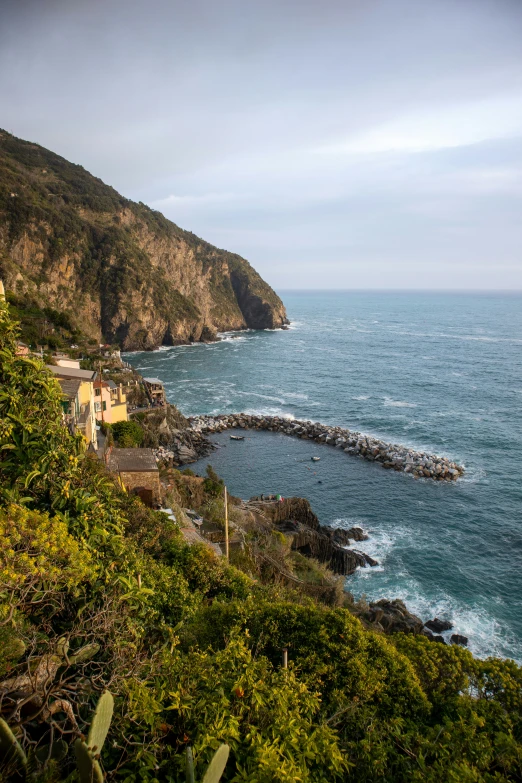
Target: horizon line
{"x":407,"y":290}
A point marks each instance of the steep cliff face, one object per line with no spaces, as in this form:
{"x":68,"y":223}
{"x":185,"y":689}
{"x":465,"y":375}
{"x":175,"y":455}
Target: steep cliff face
{"x":121,"y":270}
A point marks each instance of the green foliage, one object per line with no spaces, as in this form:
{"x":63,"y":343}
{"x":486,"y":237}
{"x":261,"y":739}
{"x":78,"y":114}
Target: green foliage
{"x":129,"y":434}
{"x":44,"y":325}
{"x":213,"y":485}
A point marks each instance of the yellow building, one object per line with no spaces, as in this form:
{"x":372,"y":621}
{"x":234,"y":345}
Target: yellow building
{"x":78,"y":401}
{"x":119,"y":410}
{"x":110,"y":403}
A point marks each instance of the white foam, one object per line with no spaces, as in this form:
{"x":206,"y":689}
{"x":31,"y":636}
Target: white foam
{"x":268,"y":397}
{"x":389,"y":403}
{"x":362,"y":397}
{"x":261,"y":411}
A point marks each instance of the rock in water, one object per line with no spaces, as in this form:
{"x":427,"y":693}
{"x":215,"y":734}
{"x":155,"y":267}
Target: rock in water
{"x":457,"y":638}
{"x":394,"y":616}
{"x":438,"y":626}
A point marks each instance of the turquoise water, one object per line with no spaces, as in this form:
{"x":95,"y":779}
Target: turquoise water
{"x":439,"y":372}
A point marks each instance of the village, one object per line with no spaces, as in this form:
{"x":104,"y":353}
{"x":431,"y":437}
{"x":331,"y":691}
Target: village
{"x":99,"y":390}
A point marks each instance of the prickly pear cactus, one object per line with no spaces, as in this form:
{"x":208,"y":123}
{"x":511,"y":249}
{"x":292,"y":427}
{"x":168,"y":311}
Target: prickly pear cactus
{"x":10,"y":749}
{"x":85,"y":653}
{"x":88,"y":768}
{"x":101,"y":722}
{"x":217,"y":765}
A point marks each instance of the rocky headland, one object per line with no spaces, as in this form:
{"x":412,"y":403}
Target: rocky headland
{"x":119,"y":271}
{"x":391,"y":456}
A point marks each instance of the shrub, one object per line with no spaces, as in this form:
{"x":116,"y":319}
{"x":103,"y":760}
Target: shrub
{"x":129,"y":434}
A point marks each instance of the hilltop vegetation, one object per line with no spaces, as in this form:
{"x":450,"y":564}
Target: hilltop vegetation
{"x":97,"y":591}
{"x":120,"y":270}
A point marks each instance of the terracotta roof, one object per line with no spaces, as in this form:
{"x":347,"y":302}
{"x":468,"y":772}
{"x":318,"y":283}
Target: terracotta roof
{"x":132,"y":460}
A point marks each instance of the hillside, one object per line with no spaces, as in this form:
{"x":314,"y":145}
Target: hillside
{"x":120,"y":270}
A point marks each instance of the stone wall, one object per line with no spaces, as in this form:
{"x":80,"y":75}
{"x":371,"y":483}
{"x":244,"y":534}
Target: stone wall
{"x":148,"y":480}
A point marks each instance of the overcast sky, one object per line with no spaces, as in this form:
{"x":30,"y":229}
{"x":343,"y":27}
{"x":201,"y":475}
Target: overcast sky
{"x":333,"y":143}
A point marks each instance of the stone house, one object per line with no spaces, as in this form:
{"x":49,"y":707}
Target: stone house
{"x":138,"y":472}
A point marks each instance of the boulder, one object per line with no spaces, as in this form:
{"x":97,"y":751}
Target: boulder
{"x":457,"y":638}
{"x":396,"y":617}
{"x":186,"y":454}
{"x":438,"y":626}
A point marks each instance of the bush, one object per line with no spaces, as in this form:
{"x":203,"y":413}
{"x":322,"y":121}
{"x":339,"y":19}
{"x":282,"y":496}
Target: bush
{"x":129,"y":434}
{"x":213,"y":485}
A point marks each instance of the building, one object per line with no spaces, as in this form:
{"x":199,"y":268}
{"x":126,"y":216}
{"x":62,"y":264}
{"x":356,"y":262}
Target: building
{"x":155,"y":391}
{"x":22,"y":349}
{"x":119,"y":411}
{"x":78,"y":409}
{"x":72,"y":372}
{"x":138,"y":472}
{"x":110,"y":403}
{"x":62,"y":360}
{"x":78,"y":401}
{"x":102,"y":401}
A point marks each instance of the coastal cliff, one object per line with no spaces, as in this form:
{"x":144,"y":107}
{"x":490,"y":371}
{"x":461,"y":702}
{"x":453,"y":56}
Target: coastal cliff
{"x":120,"y":270}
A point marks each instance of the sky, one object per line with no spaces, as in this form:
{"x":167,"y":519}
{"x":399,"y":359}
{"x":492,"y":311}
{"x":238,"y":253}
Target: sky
{"x":332,"y":143}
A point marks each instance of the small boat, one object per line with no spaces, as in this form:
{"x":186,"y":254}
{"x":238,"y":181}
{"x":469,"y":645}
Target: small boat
{"x":315,"y":459}
{"x":237,"y":437}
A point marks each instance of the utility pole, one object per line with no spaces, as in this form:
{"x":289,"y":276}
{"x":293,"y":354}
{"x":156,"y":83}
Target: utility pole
{"x":101,"y":394}
{"x":226,"y":525}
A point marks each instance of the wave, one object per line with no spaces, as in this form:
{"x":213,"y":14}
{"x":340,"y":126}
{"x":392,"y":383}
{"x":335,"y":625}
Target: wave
{"x":470,"y":337}
{"x":362,"y":397}
{"x":389,"y":403}
{"x":268,"y":397}
{"x":269,"y":411}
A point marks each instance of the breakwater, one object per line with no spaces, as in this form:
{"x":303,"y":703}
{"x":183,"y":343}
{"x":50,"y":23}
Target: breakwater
{"x":391,"y":456}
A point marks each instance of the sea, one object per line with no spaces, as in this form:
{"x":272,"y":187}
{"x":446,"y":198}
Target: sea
{"x":439,"y":372}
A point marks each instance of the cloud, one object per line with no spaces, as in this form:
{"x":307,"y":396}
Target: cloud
{"x":326,"y":143}
{"x":448,"y":126}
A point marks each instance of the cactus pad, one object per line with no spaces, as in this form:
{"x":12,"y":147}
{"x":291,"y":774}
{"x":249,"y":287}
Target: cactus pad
{"x":217,"y":765}
{"x":101,"y":721}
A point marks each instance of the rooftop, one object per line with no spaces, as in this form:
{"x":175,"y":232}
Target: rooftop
{"x":153,"y":380}
{"x":69,"y":386}
{"x":72,"y":372}
{"x":132,"y":460}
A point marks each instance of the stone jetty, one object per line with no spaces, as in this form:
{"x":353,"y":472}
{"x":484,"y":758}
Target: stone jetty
{"x":392,"y":456}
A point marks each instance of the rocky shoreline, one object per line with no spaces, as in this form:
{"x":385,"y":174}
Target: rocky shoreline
{"x":391,"y":456}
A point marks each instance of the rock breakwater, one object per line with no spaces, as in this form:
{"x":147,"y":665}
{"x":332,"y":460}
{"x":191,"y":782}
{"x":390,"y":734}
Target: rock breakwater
{"x":391,"y":456}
